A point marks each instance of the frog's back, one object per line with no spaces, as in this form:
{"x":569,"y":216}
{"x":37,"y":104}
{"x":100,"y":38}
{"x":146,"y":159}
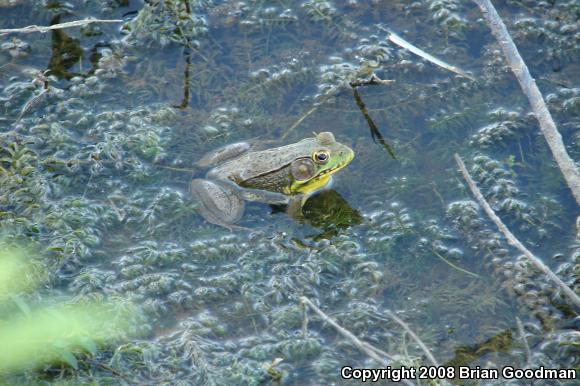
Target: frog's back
{"x":271,"y":165}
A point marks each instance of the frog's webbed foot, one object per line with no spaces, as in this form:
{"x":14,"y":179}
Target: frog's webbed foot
{"x":218,"y":203}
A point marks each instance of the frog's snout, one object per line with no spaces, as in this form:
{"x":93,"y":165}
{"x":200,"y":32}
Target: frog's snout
{"x":346,"y":154}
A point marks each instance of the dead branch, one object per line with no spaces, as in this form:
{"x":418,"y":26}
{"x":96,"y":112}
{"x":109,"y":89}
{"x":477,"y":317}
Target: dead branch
{"x":423,"y":346}
{"x":396,"y":39}
{"x":366,"y":348}
{"x":44,"y":29}
{"x":530,"y":89}
{"x":512,"y":240}
{"x":524,"y":340}
{"x":373,"y":80}
{"x":343,"y":331}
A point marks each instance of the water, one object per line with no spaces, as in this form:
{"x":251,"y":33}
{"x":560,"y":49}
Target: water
{"x":108,"y":119}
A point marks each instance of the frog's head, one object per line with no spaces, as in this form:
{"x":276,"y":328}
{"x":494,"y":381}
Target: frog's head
{"x":323,"y":157}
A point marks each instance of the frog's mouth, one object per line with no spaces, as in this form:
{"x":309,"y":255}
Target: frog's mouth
{"x":327,"y":172}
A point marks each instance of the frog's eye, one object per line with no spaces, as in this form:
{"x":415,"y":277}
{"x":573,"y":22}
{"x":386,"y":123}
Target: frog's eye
{"x":321,"y":156}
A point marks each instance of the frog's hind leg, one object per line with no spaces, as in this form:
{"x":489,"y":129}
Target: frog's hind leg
{"x":218,"y":203}
{"x":294,"y":206}
{"x":293,"y":203}
{"x":264,"y":196}
{"x":222,"y":154}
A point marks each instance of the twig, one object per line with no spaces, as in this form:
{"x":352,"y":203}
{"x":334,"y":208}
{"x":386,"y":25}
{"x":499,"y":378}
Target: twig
{"x":304,"y":320}
{"x":299,"y":121}
{"x":343,"y":331}
{"x":367,"y":348}
{"x":396,"y":39}
{"x":379,"y":351}
{"x":512,"y":240}
{"x":33,"y":102}
{"x":44,"y":29}
{"x":425,"y":349}
{"x":175,"y":168}
{"x":455,"y":266}
{"x":114,"y":371}
{"x":373,"y":80}
{"x":530,"y":89}
{"x":186,"y":76}
{"x":375,"y":132}
{"x":522,"y":333}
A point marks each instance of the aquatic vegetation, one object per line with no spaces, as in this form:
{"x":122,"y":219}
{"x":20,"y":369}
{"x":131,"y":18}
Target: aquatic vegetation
{"x":96,"y":157}
{"x":447,"y":14}
{"x":168,"y":22}
{"x":271,"y":84}
{"x":111,"y":63}
{"x":502,"y":192}
{"x":555,"y":33}
{"x":222,"y":121}
{"x":565,"y":100}
{"x":377,"y":49}
{"x":17,"y":48}
{"x":499,"y":131}
{"x":251,"y":19}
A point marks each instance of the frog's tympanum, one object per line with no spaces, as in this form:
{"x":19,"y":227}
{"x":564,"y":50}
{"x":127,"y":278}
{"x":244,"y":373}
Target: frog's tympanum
{"x":284,"y":175}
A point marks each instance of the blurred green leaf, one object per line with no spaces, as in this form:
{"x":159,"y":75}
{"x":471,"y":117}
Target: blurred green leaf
{"x":26,"y":341}
{"x":16,"y":275}
{"x":69,"y":359}
{"x":50,"y":334}
{"x":21,"y":304}
{"x":89,"y":345}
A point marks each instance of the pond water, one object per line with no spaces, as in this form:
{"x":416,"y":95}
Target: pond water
{"x":100,"y":127}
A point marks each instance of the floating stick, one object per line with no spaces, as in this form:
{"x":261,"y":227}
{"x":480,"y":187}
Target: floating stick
{"x":512,"y":240}
{"x":530,"y":89}
{"x":44,"y":29}
{"x":367,"y":348}
{"x":396,"y":39}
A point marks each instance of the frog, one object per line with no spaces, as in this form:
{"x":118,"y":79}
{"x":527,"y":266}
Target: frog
{"x":285,"y":175}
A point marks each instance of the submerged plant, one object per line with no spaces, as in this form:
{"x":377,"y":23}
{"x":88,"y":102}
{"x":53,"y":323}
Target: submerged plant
{"x":168,"y":21}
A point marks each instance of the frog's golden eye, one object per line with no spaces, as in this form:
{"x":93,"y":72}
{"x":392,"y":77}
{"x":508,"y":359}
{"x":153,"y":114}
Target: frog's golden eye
{"x":321,"y":156}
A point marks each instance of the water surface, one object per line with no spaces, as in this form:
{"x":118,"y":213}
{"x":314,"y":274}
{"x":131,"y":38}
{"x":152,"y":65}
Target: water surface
{"x":100,"y":126}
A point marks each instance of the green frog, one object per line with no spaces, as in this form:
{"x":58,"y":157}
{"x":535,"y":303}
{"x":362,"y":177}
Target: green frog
{"x":285,"y":175}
